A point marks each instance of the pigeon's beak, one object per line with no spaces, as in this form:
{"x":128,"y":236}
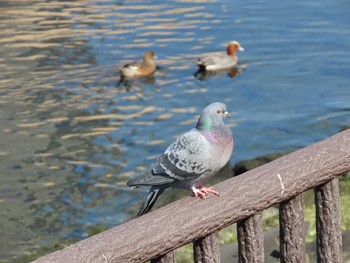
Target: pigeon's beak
{"x":226,"y":114}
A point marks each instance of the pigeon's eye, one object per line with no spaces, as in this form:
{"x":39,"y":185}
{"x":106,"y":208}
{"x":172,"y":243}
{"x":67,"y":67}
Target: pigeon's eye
{"x":218,"y":111}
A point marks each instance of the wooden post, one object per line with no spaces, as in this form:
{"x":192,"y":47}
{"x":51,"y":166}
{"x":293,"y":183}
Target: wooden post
{"x":167,"y":258}
{"x":207,"y":249}
{"x":250,"y":240}
{"x":328,"y":226}
{"x":292,"y":238}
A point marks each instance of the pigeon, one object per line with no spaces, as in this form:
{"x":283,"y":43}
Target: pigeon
{"x":191,"y":159}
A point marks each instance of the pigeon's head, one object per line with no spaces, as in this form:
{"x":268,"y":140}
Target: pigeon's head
{"x":212,"y":116}
{"x":216,"y":109}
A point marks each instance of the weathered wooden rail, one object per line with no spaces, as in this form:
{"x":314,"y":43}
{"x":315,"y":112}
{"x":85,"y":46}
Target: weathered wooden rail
{"x":242,"y":200}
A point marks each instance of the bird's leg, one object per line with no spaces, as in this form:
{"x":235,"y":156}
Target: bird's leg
{"x":202,"y":191}
{"x":209,"y":190}
{"x":198,"y":192}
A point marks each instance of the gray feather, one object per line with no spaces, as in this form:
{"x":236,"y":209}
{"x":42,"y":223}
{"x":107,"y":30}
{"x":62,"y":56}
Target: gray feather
{"x":185,"y":158}
{"x":150,"y":178}
{"x":151,"y":198}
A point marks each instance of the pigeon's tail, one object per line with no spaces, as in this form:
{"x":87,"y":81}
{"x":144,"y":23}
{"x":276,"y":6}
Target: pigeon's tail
{"x":151,"y":198}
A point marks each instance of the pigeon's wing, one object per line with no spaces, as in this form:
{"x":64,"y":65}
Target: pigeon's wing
{"x":150,"y":178}
{"x":185,"y":159}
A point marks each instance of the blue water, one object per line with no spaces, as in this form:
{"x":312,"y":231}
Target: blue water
{"x":78,"y":136}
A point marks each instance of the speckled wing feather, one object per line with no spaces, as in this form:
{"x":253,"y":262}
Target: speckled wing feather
{"x":186,"y":158}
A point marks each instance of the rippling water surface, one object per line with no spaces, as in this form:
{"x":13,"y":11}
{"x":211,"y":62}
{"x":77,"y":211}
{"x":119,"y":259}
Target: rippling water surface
{"x":72,"y":135}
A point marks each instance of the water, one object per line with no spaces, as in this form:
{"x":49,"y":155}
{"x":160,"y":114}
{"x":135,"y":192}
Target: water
{"x":71,"y":136}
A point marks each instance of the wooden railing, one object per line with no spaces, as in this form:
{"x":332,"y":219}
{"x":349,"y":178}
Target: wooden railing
{"x":156,"y":235}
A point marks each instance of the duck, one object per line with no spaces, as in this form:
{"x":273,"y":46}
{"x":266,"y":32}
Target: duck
{"x":140,"y":69}
{"x":216,"y":61}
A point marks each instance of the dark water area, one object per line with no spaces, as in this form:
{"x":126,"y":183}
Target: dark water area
{"x":71,"y":136}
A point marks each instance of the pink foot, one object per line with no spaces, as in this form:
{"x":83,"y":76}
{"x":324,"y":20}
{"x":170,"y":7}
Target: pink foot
{"x":198,"y":192}
{"x":203,"y":191}
{"x":209,"y":190}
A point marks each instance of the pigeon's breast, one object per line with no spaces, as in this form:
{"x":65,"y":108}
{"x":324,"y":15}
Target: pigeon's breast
{"x":222,"y":151}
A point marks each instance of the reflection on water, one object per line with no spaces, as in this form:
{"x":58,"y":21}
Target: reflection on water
{"x":231,"y":73}
{"x":72,"y":134}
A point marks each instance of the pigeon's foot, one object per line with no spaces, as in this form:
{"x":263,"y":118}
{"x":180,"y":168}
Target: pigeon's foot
{"x":198,"y":192}
{"x":203,"y":191}
{"x":209,"y":190}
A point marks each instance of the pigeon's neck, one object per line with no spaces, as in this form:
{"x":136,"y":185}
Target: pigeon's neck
{"x":207,"y":125}
{"x":204,"y":124}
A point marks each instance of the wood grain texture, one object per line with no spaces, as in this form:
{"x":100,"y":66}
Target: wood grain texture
{"x":328,"y":225}
{"x":207,"y":249}
{"x":250,"y":240}
{"x":292,"y":238}
{"x":185,"y":220}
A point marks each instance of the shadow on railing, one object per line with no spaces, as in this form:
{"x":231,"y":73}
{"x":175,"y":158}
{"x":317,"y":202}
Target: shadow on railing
{"x":156,"y":235}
